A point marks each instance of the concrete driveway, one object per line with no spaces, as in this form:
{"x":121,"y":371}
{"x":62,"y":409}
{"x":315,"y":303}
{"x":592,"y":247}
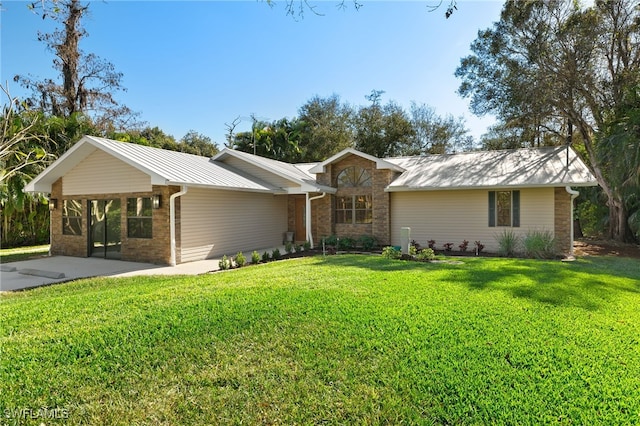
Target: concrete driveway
{"x":55,"y":269}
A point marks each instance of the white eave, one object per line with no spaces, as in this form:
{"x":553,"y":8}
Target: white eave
{"x":380,"y":163}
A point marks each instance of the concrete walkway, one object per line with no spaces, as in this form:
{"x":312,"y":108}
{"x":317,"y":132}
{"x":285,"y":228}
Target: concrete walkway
{"x":56,"y":269}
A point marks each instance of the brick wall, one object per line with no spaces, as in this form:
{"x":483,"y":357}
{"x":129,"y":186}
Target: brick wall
{"x":153,"y":250}
{"x":562,"y":219}
{"x":323,"y":217}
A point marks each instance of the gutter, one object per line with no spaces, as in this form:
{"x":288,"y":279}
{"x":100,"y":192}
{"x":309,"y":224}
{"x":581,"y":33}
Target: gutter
{"x":573,"y":194}
{"x":172,"y":222}
{"x":308,"y":216}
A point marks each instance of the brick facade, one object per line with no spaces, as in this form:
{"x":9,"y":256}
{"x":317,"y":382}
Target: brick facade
{"x":562,"y":219}
{"x":152,"y":250}
{"x":323,"y":218}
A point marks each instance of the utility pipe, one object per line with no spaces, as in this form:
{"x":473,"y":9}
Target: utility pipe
{"x":172,"y":221}
{"x":573,"y":194}
{"x":308,"y":215}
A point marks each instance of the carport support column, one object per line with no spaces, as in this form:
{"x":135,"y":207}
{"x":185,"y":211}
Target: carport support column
{"x":172,"y":221}
{"x":573,"y":194}
{"x":308,"y":215}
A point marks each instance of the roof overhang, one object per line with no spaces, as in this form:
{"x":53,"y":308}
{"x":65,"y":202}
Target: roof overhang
{"x":70,"y":159}
{"x":380,"y":163}
{"x":392,"y":188}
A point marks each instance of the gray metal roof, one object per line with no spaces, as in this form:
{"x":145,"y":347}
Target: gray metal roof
{"x":534,"y":167}
{"x":165,"y":167}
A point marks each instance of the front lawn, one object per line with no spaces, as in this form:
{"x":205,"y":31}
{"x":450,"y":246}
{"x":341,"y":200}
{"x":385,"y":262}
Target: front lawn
{"x":339,"y":340}
{"x":23,"y":253}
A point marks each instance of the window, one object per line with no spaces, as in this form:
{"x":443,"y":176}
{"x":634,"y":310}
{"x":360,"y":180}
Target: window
{"x":352,"y":177}
{"x":72,"y":217}
{"x":354,"y":209}
{"x":139,"y":220}
{"x":504,"y":208}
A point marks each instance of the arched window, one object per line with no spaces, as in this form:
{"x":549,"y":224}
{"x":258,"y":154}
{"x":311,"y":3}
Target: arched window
{"x":353,"y":176}
{"x":354,"y":208}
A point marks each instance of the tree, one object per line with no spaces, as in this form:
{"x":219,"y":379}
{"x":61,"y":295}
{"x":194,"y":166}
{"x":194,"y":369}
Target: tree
{"x":382,"y":131}
{"x":560,"y":70}
{"x":434,"y":134}
{"x":88,"y":82}
{"x":277,"y":140}
{"x":198,"y":144}
{"x":325,"y":128}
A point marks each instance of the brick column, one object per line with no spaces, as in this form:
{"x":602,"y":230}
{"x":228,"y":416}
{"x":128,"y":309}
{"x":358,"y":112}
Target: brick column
{"x":562,"y":220}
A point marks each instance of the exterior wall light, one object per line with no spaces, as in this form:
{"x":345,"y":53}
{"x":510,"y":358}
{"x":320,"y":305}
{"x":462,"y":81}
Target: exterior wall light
{"x":53,"y":204}
{"x":155,"y":201}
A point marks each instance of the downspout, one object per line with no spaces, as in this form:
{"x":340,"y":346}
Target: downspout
{"x":573,"y":194}
{"x":172,"y":222}
{"x":308,"y":216}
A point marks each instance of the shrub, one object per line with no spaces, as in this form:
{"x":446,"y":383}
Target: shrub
{"x":255,"y":257}
{"x":331,"y":240}
{"x":463,"y":247}
{"x":307,"y":245}
{"x":288,"y":247}
{"x":368,"y":242}
{"x":432,"y":244}
{"x":265,"y":256}
{"x":415,"y":244}
{"x":539,"y":245}
{"x":508,"y":242}
{"x":412,"y":250}
{"x":224,"y":263}
{"x":426,"y":254}
{"x":240,"y":260}
{"x":479,"y":247}
{"x":390,"y":252}
{"x":448,"y":246}
{"x":346,"y":243}
{"x":275,"y":254}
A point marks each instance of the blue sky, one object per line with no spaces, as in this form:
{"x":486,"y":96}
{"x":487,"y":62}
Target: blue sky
{"x":198,"y":65}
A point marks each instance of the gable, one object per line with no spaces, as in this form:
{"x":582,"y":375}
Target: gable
{"x":101,"y":173}
{"x":260,"y":173}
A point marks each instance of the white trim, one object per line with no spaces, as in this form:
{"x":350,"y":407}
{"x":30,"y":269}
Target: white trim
{"x":391,"y":188}
{"x":172,"y":222}
{"x":380,"y":163}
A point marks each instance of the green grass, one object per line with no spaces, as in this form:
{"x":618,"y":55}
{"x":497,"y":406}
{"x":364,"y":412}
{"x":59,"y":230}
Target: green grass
{"x":23,"y":253}
{"x":338,"y":340}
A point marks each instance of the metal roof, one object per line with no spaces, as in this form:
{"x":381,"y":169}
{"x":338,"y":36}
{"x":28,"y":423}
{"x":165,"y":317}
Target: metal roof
{"x":163,"y":166}
{"x":534,"y":167}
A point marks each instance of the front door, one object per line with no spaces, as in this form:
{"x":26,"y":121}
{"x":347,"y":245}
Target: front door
{"x":301,"y":219}
{"x":104,"y":235}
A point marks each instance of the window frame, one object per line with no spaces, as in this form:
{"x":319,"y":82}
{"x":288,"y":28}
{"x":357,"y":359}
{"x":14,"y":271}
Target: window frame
{"x":348,"y":215}
{"x":136,"y":222}
{"x":68,"y":219}
{"x":354,"y":177}
{"x":495,"y":217}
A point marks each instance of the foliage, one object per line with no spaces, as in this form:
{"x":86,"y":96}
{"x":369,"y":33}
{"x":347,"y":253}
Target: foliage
{"x":275,"y":254}
{"x":591,"y":52}
{"x":288,"y":247}
{"x":390,"y":252}
{"x":346,"y":243}
{"x":447,"y":246}
{"x":425,"y":254}
{"x":463,"y":247}
{"x":307,"y":245}
{"x":432,"y":244}
{"x":88,"y":81}
{"x":415,"y":244}
{"x":224,"y":263}
{"x":508,"y":243}
{"x":479,"y":247}
{"x":434,"y":134}
{"x":278,"y":140}
{"x":240,"y":259}
{"x":8,"y":255}
{"x":539,"y":245}
{"x":265,"y":256}
{"x":331,"y":240}
{"x":255,"y":257}
{"x":326,"y":128}
{"x":367,"y":242}
{"x":316,"y":335}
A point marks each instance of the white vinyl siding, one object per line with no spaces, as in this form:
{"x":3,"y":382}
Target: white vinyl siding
{"x":218,"y":222}
{"x":101,"y":173}
{"x":454,"y":216}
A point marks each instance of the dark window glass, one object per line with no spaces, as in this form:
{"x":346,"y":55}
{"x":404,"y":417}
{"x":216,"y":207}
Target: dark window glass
{"x":139,"y":217}
{"x":72,"y":217}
